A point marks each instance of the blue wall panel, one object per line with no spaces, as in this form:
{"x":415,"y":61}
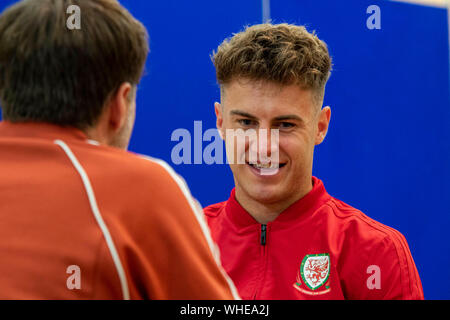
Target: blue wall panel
{"x":387,"y":152}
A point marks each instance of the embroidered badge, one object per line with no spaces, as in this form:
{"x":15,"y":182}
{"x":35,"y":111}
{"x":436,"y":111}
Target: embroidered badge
{"x":314,"y":272}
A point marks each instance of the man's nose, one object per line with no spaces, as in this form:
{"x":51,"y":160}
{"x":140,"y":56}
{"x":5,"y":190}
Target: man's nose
{"x":265,"y":145}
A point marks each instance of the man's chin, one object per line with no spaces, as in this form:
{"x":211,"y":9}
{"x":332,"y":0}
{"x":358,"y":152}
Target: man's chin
{"x":265,"y":194}
{"x":120,"y":141}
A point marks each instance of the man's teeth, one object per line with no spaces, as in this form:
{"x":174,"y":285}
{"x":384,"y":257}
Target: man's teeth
{"x":264,"y":166}
{"x":266,"y":169}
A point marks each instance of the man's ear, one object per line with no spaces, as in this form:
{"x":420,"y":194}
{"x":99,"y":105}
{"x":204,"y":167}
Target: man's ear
{"x":322,"y":124}
{"x":118,"y":106}
{"x":219,"y":119}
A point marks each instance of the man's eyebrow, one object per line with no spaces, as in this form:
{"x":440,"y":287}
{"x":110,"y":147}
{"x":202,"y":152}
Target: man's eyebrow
{"x":288,"y":117}
{"x":279,"y":118}
{"x":242,"y":113}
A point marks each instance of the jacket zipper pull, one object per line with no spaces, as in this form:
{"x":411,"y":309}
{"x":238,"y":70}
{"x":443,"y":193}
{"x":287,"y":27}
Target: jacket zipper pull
{"x":263,"y":234}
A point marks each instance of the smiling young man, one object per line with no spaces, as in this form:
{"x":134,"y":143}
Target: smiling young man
{"x":281,"y":235}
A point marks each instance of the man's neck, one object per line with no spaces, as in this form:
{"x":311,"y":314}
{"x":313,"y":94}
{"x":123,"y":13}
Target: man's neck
{"x":267,"y":212}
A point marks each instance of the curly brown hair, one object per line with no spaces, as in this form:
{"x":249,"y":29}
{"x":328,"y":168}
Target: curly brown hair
{"x":283,"y":53}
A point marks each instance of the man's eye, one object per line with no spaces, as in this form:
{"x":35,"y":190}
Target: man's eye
{"x":246,"y":122}
{"x":286,"y":125}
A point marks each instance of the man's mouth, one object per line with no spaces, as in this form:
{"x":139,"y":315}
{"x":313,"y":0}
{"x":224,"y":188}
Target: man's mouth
{"x":266,"y":168}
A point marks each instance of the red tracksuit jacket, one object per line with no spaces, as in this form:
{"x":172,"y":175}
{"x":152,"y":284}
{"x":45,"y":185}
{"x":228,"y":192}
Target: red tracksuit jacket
{"x":318,"y":248}
{"x":80,"y":220}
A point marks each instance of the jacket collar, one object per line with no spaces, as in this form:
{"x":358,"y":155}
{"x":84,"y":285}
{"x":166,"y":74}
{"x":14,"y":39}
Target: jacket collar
{"x":40,"y":130}
{"x":297,"y":212}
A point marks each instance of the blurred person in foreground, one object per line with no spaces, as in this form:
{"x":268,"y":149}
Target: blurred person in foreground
{"x":82,"y":218}
{"x":281,"y":235}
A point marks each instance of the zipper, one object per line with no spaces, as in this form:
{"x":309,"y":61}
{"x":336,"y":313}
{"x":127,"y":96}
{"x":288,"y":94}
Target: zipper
{"x":262,"y":242}
{"x":263,"y":234}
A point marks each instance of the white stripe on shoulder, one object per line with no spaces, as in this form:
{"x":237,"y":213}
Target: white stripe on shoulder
{"x":198,"y":213}
{"x":98,"y":218}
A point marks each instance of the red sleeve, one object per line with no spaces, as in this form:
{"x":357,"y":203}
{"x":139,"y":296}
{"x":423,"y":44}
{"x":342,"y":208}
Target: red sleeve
{"x":385,"y":271}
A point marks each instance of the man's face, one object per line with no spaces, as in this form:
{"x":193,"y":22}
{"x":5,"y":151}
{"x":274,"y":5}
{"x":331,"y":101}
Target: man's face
{"x":300,"y":123}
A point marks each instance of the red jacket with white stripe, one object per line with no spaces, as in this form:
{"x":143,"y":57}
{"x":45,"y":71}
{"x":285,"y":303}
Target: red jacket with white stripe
{"x":85,"y":221}
{"x":318,"y":248}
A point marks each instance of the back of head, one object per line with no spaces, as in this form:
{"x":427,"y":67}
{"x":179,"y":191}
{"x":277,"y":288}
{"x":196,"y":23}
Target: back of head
{"x":49,"y":73}
{"x":283,"y":53}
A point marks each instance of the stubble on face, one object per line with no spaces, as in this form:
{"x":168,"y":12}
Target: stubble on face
{"x":267,"y":102}
{"x":122,"y":137}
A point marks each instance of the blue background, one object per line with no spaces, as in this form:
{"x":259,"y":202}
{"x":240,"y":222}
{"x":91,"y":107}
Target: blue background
{"x":387,"y":151}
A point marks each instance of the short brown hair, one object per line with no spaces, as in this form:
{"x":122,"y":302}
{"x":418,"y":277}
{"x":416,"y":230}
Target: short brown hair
{"x":283,"y":53}
{"x":49,"y":73}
